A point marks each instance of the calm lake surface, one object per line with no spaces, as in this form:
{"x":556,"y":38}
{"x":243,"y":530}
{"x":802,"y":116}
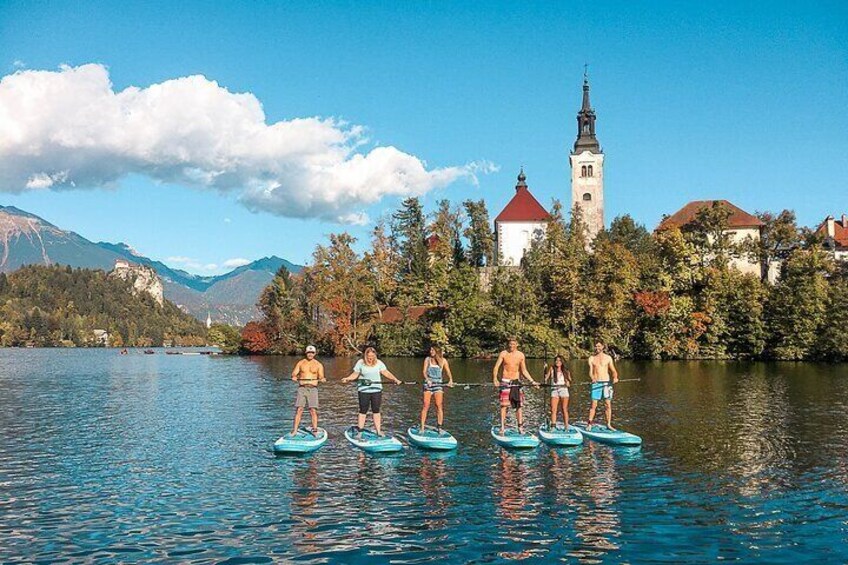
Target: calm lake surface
{"x":133,"y":458}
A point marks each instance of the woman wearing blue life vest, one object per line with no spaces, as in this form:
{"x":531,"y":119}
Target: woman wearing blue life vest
{"x":368,"y":372}
{"x":435,"y":365}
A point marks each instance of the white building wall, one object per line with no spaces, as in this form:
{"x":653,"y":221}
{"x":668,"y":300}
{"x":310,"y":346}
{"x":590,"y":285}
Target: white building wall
{"x":515,"y":238}
{"x":591,"y":185}
{"x":744,"y":264}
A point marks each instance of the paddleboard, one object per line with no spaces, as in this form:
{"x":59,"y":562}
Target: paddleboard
{"x":511,"y":439}
{"x":559,"y":436}
{"x":602,"y":434}
{"x":431,"y":438}
{"x":370,"y":442}
{"x":302,"y":442}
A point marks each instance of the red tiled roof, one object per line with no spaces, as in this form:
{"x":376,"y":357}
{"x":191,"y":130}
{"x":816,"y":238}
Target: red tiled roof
{"x":394,"y":315}
{"x":432,"y":241}
{"x":739,"y":218}
{"x":523,"y":208}
{"x":840,"y":230}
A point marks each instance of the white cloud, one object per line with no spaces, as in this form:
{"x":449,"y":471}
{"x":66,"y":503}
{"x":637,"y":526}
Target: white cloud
{"x":235,"y":262}
{"x":18,"y":64}
{"x":192,"y":265}
{"x":70,"y":128}
{"x":227,"y":220}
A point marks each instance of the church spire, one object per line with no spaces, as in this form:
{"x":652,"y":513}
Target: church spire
{"x":586,"y":140}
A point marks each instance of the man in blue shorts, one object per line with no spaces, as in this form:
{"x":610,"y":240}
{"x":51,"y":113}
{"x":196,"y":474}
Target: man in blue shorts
{"x":601,"y":367}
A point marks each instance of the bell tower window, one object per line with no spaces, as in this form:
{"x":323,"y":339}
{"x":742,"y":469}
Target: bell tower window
{"x":587,"y":197}
{"x":583,"y":171}
{"x":590,"y":171}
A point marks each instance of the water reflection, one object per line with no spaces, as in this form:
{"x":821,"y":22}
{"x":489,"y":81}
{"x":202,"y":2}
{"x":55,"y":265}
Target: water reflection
{"x":305,"y":503}
{"x":433,"y":475}
{"x":761,"y":434}
{"x":597,"y":521}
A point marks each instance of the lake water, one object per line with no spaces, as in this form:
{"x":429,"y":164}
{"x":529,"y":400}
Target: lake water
{"x":168,"y":458}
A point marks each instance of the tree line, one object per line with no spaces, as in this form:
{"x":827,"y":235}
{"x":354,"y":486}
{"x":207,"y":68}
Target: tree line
{"x":55,"y":306}
{"x":667,"y":294}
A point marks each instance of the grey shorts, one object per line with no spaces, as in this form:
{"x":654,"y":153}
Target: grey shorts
{"x":559,"y":392}
{"x":307,"y":397}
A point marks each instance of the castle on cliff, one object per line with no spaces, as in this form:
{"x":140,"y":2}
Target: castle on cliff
{"x":143,"y":278}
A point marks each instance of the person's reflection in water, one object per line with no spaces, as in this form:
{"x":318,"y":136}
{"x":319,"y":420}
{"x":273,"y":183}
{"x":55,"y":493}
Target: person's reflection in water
{"x":432,"y":476}
{"x":513,"y":505}
{"x":305,"y":499}
{"x":598,"y":522}
{"x":561,"y":471}
{"x":377,"y":495}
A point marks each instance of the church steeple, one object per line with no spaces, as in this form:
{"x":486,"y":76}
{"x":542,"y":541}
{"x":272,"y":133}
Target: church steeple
{"x":587,"y":169}
{"x":586,"y":140}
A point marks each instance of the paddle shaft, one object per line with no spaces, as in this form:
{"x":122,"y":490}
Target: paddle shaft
{"x":543,"y":385}
{"x":444,"y":384}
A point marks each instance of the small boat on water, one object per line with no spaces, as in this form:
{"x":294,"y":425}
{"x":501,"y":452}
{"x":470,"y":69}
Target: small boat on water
{"x":369,"y":442}
{"x":149,"y":352}
{"x":513,"y":439}
{"x":431,"y":438}
{"x":304,"y":441}
{"x":559,"y":436}
{"x":602,"y":434}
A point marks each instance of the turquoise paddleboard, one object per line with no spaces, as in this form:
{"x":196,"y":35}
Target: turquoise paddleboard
{"x":511,"y":439}
{"x":559,"y":436}
{"x":370,"y":442}
{"x":431,"y":438}
{"x":303,"y":441}
{"x":602,"y":434}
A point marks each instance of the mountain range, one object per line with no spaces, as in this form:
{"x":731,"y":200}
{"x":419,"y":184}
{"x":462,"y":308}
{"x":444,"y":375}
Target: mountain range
{"x":27,"y":239}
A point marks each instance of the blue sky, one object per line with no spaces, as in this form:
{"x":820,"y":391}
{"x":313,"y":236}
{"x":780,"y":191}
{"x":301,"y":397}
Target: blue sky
{"x":694,"y":101}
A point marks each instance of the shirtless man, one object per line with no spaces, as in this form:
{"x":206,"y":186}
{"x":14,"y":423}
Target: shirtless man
{"x":600,"y":368}
{"x":307,"y":373}
{"x":514,"y":367}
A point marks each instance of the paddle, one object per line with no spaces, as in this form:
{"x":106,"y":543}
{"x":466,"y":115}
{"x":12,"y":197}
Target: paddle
{"x":610,"y":383}
{"x":368,"y":382}
{"x":540,"y":385}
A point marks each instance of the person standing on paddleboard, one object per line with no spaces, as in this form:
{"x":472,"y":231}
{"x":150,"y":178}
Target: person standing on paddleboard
{"x":307,"y":373}
{"x":601,"y":366}
{"x":510,"y":395}
{"x":559,"y":377}
{"x":434,"y":366}
{"x":368,"y":371}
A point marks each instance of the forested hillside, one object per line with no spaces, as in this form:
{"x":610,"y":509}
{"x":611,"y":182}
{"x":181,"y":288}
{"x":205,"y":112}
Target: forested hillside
{"x":55,"y":306}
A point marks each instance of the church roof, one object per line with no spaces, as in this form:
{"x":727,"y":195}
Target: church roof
{"x":523,"y":207}
{"x":738,"y":219}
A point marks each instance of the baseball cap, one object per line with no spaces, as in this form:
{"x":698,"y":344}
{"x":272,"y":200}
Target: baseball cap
{"x":311,"y":349}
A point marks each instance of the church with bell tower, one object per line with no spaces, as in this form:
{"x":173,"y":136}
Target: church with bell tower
{"x":524,"y":220}
{"x":587,"y":169}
